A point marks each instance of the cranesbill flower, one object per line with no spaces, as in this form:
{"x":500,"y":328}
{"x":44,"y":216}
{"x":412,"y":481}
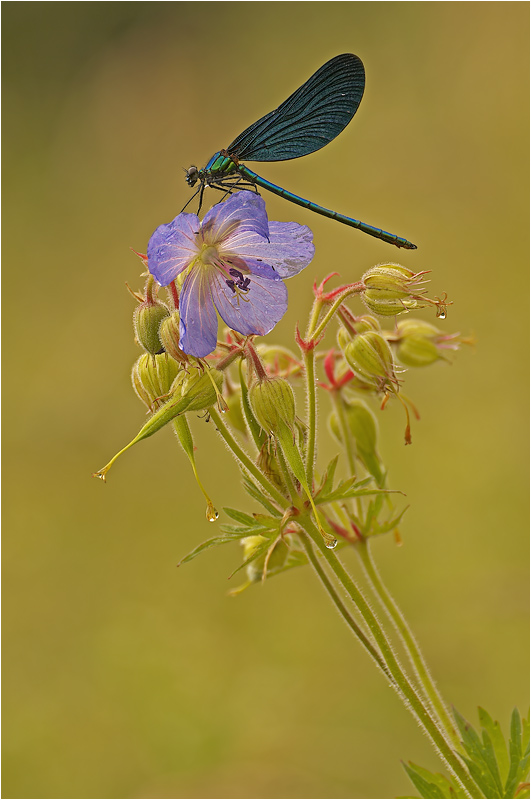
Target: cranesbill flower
{"x":234,"y":263}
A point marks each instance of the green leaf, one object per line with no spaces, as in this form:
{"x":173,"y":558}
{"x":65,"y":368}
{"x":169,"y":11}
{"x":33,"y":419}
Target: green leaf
{"x":240,"y":516}
{"x":371,"y":526}
{"x":296,"y":558}
{"x":424,"y":782}
{"x":443,"y":784}
{"x":519,"y":757}
{"x":214,"y":542}
{"x":478,"y":763}
{"x":258,"y":495}
{"x":346,"y":489}
{"x":258,"y":523}
{"x":327,"y":484}
{"x":498,"y":742}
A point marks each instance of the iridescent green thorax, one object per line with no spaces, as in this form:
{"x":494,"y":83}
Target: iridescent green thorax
{"x":220,"y":164}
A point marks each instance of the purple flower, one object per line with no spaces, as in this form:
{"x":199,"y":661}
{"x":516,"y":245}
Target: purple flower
{"x":232,"y":263}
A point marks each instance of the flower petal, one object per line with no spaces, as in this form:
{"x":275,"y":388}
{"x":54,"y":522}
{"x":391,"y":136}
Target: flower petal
{"x":173,"y":247}
{"x":256,"y":311}
{"x":289,"y":249}
{"x":243,"y":212}
{"x":199,"y":322}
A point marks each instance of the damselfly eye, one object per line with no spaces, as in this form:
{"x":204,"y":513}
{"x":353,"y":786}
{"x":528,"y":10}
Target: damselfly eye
{"x":192,"y":176}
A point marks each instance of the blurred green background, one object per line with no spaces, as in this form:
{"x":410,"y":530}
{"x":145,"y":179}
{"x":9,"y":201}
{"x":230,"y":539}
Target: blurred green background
{"x":123,"y":676}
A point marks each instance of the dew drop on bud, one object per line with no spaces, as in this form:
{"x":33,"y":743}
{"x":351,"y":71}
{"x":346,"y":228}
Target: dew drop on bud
{"x":441,"y":314}
{"x":211,"y":513}
{"x":331,"y":544}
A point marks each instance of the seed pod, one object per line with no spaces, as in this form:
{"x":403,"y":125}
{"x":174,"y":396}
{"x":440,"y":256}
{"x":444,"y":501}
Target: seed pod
{"x":147,"y":318}
{"x":152,"y":377}
{"x":273,"y":404}
{"x":169,"y":336}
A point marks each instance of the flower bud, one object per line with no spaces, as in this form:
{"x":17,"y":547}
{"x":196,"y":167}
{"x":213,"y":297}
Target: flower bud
{"x":200,"y":390}
{"x":169,"y":336}
{"x":146,"y":320}
{"x":363,"y":427}
{"x":188,"y":393}
{"x":273,"y":403}
{"x":152,"y":377}
{"x":420,"y":343}
{"x":269,"y":561}
{"x":370,"y":356}
{"x":343,"y":338}
{"x":391,"y":289}
{"x":268,"y":464}
{"x":279,"y":360}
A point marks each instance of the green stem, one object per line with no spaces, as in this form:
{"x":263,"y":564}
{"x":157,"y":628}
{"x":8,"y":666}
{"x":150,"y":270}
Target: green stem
{"x":288,"y":480}
{"x":339,"y":408}
{"x":246,"y":462}
{"x":355,"y":288}
{"x":419,"y":665}
{"x":309,"y":362}
{"x":410,"y":697}
{"x":347,"y":616}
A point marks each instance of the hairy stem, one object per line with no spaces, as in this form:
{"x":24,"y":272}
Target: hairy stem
{"x":345,"y":613}
{"x":410,"y":697}
{"x":246,"y":462}
{"x":426,"y":683}
{"x":309,"y":362}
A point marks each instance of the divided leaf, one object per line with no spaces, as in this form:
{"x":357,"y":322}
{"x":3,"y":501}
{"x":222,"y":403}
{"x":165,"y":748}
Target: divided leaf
{"x":258,"y":495}
{"x":496,"y":772}
{"x":430,"y":784}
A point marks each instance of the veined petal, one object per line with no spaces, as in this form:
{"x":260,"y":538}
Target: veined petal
{"x":199,"y":322}
{"x":254,"y":311}
{"x":173,"y":247}
{"x":243,"y":212}
{"x":289,"y":249}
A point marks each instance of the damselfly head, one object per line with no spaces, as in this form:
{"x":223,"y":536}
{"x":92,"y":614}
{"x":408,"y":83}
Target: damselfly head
{"x":192,"y":176}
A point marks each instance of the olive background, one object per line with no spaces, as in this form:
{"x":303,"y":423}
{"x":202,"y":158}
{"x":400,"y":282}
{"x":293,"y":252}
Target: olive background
{"x":123,"y":675}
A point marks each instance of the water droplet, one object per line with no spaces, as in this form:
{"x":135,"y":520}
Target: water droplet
{"x":211,"y":514}
{"x":441,"y":314}
{"x":331,"y":544}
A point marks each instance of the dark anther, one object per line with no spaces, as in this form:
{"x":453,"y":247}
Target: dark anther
{"x":230,"y":284}
{"x":236,"y":274}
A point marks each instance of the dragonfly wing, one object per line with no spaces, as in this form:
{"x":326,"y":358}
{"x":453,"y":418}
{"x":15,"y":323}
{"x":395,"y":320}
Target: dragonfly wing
{"x":310,"y":118}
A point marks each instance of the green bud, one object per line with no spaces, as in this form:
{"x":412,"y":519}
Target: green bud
{"x":268,"y":561}
{"x":418,"y":343}
{"x":366,"y":323}
{"x":370,"y":356}
{"x":391,"y":289}
{"x":362,"y":424}
{"x":188,"y":393}
{"x":416,"y":351}
{"x":363,"y":428}
{"x":268,"y":464}
{"x":357,"y":325}
{"x":147,"y":318}
{"x":169,"y":336}
{"x":273,"y":404}
{"x":279,"y":360}
{"x":152,"y":377}
{"x":343,"y":338}
{"x":201,"y":390}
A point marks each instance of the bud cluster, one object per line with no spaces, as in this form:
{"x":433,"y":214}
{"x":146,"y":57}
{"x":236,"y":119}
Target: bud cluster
{"x":253,"y":386}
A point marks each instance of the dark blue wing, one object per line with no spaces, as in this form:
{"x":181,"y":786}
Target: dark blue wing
{"x":310,"y":118}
